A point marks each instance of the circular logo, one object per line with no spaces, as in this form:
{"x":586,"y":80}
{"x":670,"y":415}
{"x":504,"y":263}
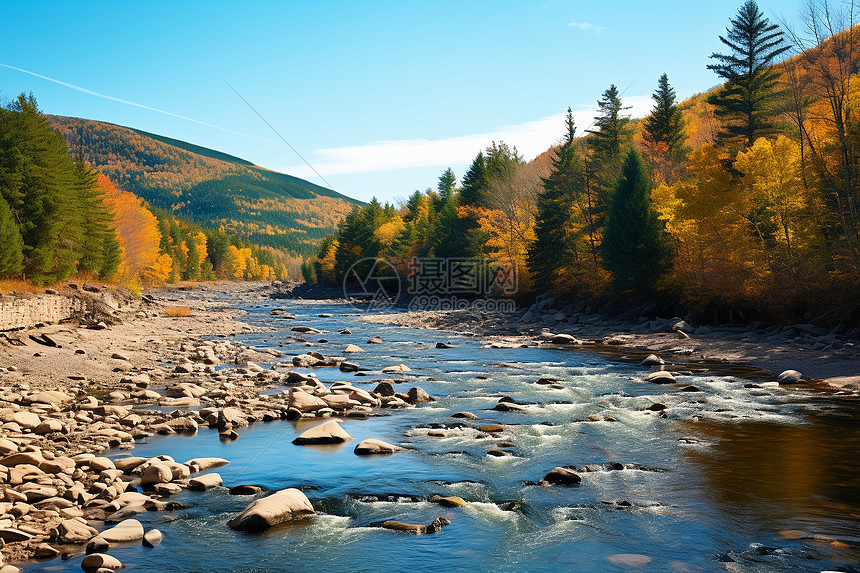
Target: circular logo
{"x":371,"y":284}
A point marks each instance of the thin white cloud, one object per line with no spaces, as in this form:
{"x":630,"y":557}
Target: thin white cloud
{"x":531,"y":139}
{"x":588,"y":27}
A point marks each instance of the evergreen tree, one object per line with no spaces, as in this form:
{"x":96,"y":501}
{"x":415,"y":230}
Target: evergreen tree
{"x":665,"y":126}
{"x":475,"y":181}
{"x":39,"y":174}
{"x":11,"y":243}
{"x":610,"y":122}
{"x":745,"y":102}
{"x":99,"y":249}
{"x":549,"y":249}
{"x":635,"y":244}
{"x":447,"y":185}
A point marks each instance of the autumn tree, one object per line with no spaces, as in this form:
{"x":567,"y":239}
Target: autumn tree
{"x":745,"y":102}
{"x":635,"y":246}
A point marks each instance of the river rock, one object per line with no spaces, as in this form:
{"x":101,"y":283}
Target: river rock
{"x":156,"y":473}
{"x":396,"y":368}
{"x":73,"y":531}
{"x":660,"y":377}
{"x":128,"y":530}
{"x":562,"y":476}
{"x":205,"y":464}
{"x":205,"y":482}
{"x":349,"y":367}
{"x":652,"y":360}
{"x":372,"y":446}
{"x":790,"y":377}
{"x":97,"y":561}
{"x":100,"y":464}
{"x":450,"y":501}
{"x":492,"y":428}
{"x":26,"y":420}
{"x":282,"y":506}
{"x":10,"y":535}
{"x":375,"y":340}
{"x":304,"y":402}
{"x":418,"y":396}
{"x":352,"y":348}
{"x":30,"y":458}
{"x":384,"y":389}
{"x":129,"y":463}
{"x":563,"y":339}
{"x":326,"y":433}
{"x":152,"y":538}
{"x":464,"y":415}
{"x":7,"y":446}
{"x":415,"y":528}
{"x":245,"y":490}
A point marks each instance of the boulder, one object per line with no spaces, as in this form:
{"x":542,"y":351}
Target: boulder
{"x":73,"y":531}
{"x":49,"y":426}
{"x":26,"y":420}
{"x":326,"y":433}
{"x":652,"y":360}
{"x":396,"y":368}
{"x":152,"y":538}
{"x":790,"y":377}
{"x":204,"y":482}
{"x":205,"y":464}
{"x":563,"y":339}
{"x":372,"y":446}
{"x":156,"y":473}
{"x":352,"y":348}
{"x":30,"y":458}
{"x":562,"y":476}
{"x":660,"y":377}
{"x":98,"y":561}
{"x":418,"y":396}
{"x":128,"y":530}
{"x":415,"y":528}
{"x":245,"y":489}
{"x":304,"y":402}
{"x":282,"y":506}
{"x":451,"y":501}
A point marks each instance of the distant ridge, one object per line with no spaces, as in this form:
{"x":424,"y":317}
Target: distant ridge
{"x":208,"y":186}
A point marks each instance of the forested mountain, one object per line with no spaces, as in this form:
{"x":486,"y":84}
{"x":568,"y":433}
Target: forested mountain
{"x":741,"y":203}
{"x":207,"y":186}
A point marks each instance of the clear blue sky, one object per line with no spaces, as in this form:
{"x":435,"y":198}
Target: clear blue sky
{"x":380,"y":97}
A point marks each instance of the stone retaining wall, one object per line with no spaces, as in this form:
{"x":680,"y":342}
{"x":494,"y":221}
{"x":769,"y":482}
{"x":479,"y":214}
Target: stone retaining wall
{"x":16,"y":313}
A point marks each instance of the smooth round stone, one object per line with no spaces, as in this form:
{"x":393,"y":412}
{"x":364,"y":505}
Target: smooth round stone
{"x":373,"y":446}
{"x":97,"y":561}
{"x":128,"y":530}
{"x":152,"y":538}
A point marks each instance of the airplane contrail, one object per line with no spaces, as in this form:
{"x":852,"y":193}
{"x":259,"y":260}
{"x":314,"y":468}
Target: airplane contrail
{"x":116,"y":99}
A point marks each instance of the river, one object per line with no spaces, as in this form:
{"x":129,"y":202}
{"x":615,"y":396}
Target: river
{"x":732,"y":477}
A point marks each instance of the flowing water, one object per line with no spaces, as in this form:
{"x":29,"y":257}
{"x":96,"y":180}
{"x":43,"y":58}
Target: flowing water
{"x":734,"y":477}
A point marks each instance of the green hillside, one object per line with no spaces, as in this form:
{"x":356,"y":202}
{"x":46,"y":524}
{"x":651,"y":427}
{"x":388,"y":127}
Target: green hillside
{"x":209,"y":187}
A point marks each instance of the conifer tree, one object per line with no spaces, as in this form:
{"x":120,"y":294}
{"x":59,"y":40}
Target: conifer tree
{"x":635,"y":245}
{"x":664,"y":127}
{"x":549,"y":249}
{"x":610,"y":122}
{"x":746,"y":101}
{"x":447,"y":184}
{"x":11,"y":244}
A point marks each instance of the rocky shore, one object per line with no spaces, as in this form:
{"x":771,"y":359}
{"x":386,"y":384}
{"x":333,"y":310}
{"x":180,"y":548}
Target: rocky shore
{"x":69,"y":392}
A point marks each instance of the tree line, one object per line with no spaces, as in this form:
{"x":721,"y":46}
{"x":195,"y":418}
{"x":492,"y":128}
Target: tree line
{"x":738,"y":203}
{"x":59,"y":218}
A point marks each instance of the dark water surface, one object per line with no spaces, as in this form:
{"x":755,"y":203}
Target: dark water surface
{"x":732,"y":479}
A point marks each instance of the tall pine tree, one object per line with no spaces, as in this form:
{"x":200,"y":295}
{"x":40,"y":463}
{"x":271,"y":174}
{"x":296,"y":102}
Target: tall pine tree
{"x":635,"y":244}
{"x":610,"y":122}
{"x":746,"y":102}
{"x":664,"y":128}
{"x":549,"y":249}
